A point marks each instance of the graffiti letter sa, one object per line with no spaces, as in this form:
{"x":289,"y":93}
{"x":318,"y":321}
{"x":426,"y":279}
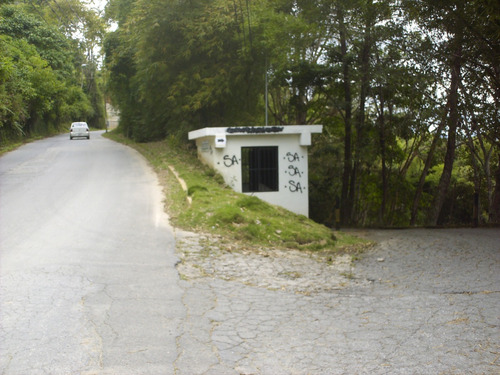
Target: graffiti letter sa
{"x":229,"y":161}
{"x":292,"y":157}
{"x":295,"y":187}
{"x":294,"y":171}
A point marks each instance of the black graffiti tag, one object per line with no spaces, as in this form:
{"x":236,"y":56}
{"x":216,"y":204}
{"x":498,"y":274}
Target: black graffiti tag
{"x":294,"y":171}
{"x":292,"y":157}
{"x":295,"y":186}
{"x":229,"y":161}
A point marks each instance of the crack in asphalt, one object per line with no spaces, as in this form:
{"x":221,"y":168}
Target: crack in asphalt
{"x":397,"y":322}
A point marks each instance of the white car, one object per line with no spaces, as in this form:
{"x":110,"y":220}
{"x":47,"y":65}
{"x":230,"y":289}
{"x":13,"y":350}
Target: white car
{"x":79,"y":129}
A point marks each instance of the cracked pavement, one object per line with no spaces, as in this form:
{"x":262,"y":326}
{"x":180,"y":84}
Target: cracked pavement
{"x":88,"y":283}
{"x":93,"y":280}
{"x":420,"y":302}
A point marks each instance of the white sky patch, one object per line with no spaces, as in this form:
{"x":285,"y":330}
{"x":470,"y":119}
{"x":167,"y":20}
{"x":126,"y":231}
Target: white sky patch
{"x":97,"y":5}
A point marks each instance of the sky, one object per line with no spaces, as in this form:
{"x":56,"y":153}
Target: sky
{"x":96,"y":4}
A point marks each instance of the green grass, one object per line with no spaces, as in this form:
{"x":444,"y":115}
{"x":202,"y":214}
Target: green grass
{"x":12,"y":145}
{"x":234,"y":217}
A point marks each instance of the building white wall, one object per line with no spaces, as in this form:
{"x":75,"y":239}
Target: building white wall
{"x":222,"y":152}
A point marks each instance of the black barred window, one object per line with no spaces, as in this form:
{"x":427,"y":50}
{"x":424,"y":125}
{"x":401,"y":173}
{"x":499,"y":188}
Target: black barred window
{"x":259,"y":169}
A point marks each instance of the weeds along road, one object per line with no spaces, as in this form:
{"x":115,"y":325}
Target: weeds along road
{"x":87,"y":276}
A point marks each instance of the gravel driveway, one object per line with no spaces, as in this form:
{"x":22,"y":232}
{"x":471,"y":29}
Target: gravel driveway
{"x":419,"y":302}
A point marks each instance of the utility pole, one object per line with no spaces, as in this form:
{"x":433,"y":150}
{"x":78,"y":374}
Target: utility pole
{"x":83,"y":65}
{"x":266,"y":94}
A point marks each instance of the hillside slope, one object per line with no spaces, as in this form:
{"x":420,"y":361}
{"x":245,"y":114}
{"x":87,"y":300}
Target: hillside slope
{"x":206,"y":205}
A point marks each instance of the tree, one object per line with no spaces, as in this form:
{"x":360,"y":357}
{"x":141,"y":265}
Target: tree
{"x":457,"y":24}
{"x":39,"y":91}
{"x":346,"y":202}
{"x":83,"y":31}
{"x":192,"y":64}
{"x":395,"y":83}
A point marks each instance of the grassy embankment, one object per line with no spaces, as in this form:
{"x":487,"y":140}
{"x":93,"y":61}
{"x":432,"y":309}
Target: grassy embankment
{"x":11,"y":145}
{"x":233,"y":217}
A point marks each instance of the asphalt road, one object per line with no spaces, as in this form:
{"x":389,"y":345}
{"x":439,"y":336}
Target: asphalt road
{"x":420,"y":302}
{"x":87,"y":276}
{"x":89,"y":284}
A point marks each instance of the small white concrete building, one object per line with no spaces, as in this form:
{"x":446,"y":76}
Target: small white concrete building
{"x":269,"y":162}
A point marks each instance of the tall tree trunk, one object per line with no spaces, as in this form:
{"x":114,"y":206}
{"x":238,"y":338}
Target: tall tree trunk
{"x":427,"y":165}
{"x":480,"y":159}
{"x":382,"y":144}
{"x":382,"y":141}
{"x":489,"y":184}
{"x":346,"y":204}
{"x":444,"y":181}
{"x":495,"y":207}
{"x":301,"y":107}
{"x":487,"y":172}
{"x":475,"y":161}
{"x":360,"y":118}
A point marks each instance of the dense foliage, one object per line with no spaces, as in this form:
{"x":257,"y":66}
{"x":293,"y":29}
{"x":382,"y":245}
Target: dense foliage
{"x":48,"y":76}
{"x":408,"y":92}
